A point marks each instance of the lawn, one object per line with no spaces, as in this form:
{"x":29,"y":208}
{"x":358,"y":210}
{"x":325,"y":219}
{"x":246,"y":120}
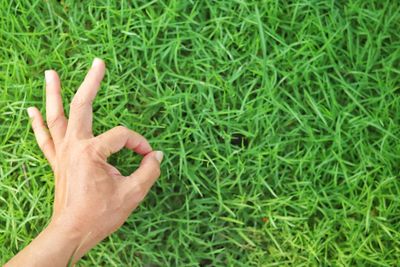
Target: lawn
{"x":279,"y":120}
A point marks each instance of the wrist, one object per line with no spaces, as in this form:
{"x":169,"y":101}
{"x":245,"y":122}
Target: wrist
{"x":56,"y":245}
{"x":65,"y":236}
{"x":64,"y":229}
{"x":71,"y":233}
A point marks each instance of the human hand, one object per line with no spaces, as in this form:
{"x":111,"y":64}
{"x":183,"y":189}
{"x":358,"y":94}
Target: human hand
{"x":92,"y":198}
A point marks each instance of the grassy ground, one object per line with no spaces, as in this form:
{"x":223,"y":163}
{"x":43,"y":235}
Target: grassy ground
{"x":280,"y":123}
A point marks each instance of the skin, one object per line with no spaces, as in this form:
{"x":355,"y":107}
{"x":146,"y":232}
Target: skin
{"x":92,"y":198}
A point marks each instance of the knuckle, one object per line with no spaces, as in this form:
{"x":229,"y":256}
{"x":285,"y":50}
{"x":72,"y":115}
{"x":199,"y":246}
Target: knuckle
{"x":135,"y":193}
{"x":140,"y":193}
{"x":89,"y":148}
{"x":121,"y":129}
{"x":53,"y":121}
{"x":35,"y":126}
{"x":157,"y":172}
{"x":138,"y":188}
{"x":45,"y":144}
{"x":78,"y":102}
{"x":153,"y":168}
{"x":63,"y":147}
{"x":140,"y":197}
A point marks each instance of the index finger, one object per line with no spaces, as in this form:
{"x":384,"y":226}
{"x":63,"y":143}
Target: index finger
{"x":119,"y":137}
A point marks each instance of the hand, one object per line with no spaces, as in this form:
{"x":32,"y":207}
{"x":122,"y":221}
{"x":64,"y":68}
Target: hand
{"x":92,"y":198}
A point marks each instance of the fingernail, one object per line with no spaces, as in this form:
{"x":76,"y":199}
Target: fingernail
{"x":159,"y":156}
{"x":30,"y":111}
{"x":47,"y":76}
{"x":96,"y":62}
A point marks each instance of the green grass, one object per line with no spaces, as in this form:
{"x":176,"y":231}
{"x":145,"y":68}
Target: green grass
{"x":280,"y":123}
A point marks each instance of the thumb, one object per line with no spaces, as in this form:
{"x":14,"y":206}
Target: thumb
{"x":144,"y":177}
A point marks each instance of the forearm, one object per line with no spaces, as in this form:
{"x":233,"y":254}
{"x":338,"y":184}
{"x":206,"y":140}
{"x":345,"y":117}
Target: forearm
{"x":54,"y":246}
